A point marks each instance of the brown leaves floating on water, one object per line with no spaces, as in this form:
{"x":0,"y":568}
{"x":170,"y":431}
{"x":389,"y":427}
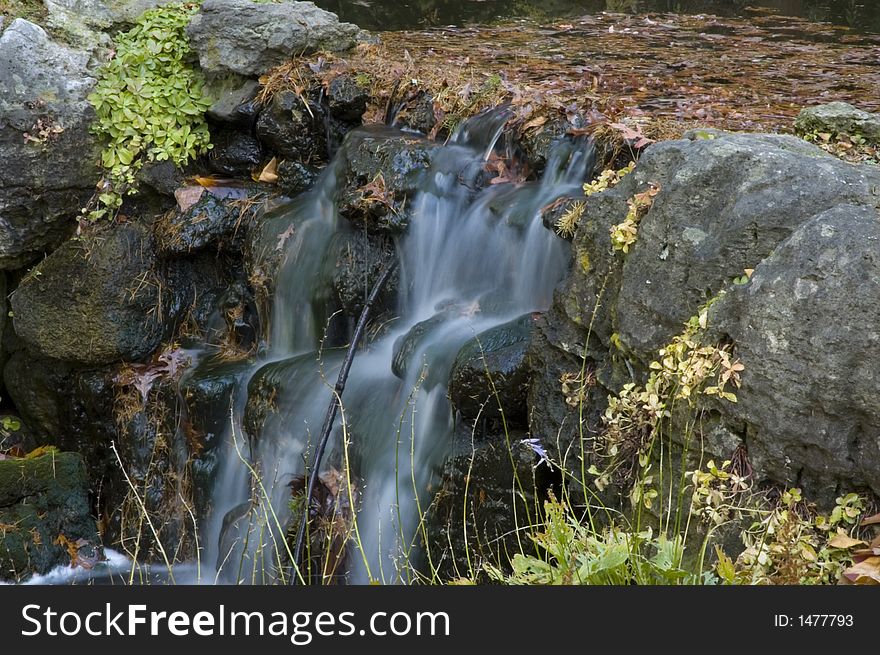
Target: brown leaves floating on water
{"x":727,"y":73}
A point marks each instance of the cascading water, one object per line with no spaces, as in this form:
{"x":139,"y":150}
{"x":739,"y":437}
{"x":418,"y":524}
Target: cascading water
{"x":475,"y":257}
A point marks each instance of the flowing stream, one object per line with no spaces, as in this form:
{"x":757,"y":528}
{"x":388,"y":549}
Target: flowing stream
{"x":472,"y":259}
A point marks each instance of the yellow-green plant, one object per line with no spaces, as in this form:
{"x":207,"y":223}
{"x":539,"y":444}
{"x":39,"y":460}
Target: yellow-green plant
{"x":609,"y":178}
{"x":792,"y":544}
{"x":685,"y":370}
{"x":149,"y":102}
{"x":624,"y":234}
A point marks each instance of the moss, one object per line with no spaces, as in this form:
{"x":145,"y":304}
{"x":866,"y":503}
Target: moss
{"x":32,"y":10}
{"x":41,"y":499}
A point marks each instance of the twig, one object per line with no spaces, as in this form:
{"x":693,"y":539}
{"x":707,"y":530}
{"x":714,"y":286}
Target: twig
{"x":334,"y":407}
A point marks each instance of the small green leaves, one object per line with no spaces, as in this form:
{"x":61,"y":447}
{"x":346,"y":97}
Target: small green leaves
{"x":150,"y":103}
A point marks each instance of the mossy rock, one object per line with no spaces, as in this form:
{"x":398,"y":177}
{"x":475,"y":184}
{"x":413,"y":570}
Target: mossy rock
{"x":42,"y":499}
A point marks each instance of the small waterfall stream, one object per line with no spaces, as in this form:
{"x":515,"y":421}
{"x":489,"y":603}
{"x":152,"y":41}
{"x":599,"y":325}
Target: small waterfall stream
{"x":475,"y":256}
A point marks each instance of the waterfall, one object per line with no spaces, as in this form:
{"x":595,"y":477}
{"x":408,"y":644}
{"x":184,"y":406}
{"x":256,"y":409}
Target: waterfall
{"x":475,"y":256}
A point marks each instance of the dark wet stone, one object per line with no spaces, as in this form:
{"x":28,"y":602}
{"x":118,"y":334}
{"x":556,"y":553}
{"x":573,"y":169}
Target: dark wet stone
{"x":236,"y":154}
{"x":41,"y":499}
{"x":491,"y":373}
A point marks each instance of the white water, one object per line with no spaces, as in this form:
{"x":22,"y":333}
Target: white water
{"x":471,"y":260}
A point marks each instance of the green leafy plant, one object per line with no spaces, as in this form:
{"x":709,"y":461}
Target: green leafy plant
{"x":576,"y":554}
{"x":150,"y":103}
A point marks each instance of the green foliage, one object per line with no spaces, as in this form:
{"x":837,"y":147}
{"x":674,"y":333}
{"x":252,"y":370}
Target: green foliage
{"x":792,"y":544}
{"x":150,"y":102}
{"x":575,"y":554}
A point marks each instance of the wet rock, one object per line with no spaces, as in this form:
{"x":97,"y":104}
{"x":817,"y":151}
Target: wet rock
{"x":839,"y":118}
{"x":207,"y":390}
{"x":40,"y":500}
{"x":94,"y":302}
{"x":48,"y":158}
{"x":537,"y":144}
{"x":63,"y":407}
{"x":235,"y":154}
{"x":347,"y":99}
{"x":293,"y":129}
{"x":247,"y":38}
{"x":237,"y":106}
{"x":407,"y":345}
{"x":491,"y":373}
{"x":280,"y":393}
{"x":807,"y":330}
{"x":482,"y":479}
{"x":163,"y":177}
{"x":212,"y":221}
{"x":384,"y":169}
{"x":294,"y":177}
{"x":358,"y":262}
{"x":418,"y":114}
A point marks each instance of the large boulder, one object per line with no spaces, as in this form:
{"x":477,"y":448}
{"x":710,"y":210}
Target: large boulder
{"x":803,"y":325}
{"x":839,"y":118}
{"x":249,"y":38}
{"x":45,"y":518}
{"x":48,"y":158}
{"x":807,"y":330}
{"x":726,"y":201}
{"x":96,"y":302}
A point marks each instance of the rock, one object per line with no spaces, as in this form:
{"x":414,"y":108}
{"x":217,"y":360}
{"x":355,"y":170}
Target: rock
{"x":41,"y":499}
{"x":408,"y":345}
{"x":235,"y":154}
{"x":163,"y":177}
{"x":207,"y":390}
{"x":839,"y":118}
{"x":93,"y":303}
{"x":248,"y":38}
{"x":384,"y":168}
{"x":237,"y":106}
{"x":727,"y":203}
{"x":291,"y":129}
{"x":807,"y":329}
{"x":347,"y":99}
{"x":537,"y":144}
{"x":358,"y":260}
{"x":64,"y":407}
{"x":479,"y":480}
{"x":205,"y":223}
{"x":418,"y":114}
{"x":492,"y":370}
{"x":294,"y":177}
{"x":48,"y":159}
